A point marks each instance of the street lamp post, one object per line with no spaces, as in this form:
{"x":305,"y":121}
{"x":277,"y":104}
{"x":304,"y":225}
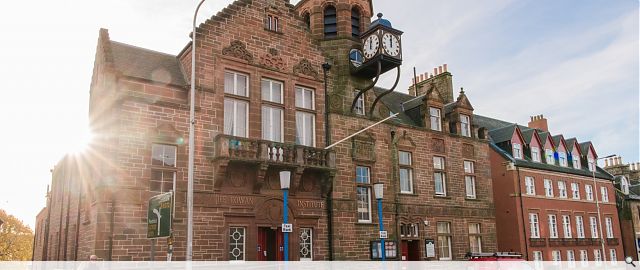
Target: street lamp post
{"x":378,"y":190}
{"x":285,"y":182}
{"x":595,"y":191}
{"x":192,"y":126}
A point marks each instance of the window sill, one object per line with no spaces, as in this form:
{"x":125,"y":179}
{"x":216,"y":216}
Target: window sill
{"x":366,"y":224}
{"x":471,"y":199}
{"x":408,"y":194}
{"x":442,"y":197}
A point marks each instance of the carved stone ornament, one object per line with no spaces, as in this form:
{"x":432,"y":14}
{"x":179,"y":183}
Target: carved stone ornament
{"x":272,"y":60}
{"x":237,"y":49}
{"x":437,"y":145}
{"x":467,"y":151}
{"x":306,"y":68}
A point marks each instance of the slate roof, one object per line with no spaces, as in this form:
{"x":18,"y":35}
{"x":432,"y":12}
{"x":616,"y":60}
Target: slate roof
{"x":499,"y":131}
{"x":146,"y":64}
{"x":584,"y":147}
{"x":527,"y":134}
{"x":394,"y":100}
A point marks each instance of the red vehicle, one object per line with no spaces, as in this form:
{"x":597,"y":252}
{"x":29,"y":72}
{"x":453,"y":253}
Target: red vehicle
{"x":497,"y":256}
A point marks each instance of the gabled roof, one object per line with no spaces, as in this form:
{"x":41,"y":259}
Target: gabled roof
{"x":146,"y":64}
{"x":543,"y":138}
{"x":571,"y":144}
{"x":393,"y":101}
{"x":529,"y":134}
{"x":584,"y":148}
{"x":503,"y":134}
{"x":559,"y":139}
{"x":462,"y":101}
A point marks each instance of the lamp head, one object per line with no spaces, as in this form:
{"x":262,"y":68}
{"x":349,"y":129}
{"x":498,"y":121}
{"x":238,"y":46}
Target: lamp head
{"x":378,"y":189}
{"x":285,"y":179}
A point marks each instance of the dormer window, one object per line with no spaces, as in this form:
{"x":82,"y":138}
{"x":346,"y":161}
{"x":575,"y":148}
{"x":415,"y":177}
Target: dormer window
{"x":517,"y":151}
{"x":548,"y":153}
{"x":465,"y":126}
{"x":575,"y":157}
{"x":624,"y":185}
{"x":562,"y":159}
{"x":592,"y":166}
{"x":535,"y":154}
{"x":436,"y":118}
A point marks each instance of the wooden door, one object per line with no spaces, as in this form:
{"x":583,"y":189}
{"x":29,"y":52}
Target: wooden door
{"x":262,"y":244}
{"x":404,"y":249}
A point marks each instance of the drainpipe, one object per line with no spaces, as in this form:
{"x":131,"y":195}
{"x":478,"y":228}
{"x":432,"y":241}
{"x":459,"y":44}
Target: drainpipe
{"x":66,"y":226}
{"x":327,"y":141}
{"x":75,"y":256}
{"x":45,"y":246}
{"x":524,"y":224}
{"x":396,"y":184}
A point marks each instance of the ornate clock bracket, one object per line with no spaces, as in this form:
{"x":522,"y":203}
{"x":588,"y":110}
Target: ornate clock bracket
{"x":361,"y":92}
{"x":385,"y":92}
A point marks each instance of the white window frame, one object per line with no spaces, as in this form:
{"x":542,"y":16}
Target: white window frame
{"x":465,"y":125}
{"x":612,"y":255}
{"x":562,"y":159}
{"x":575,"y":191}
{"x":517,"y":151}
{"x":301,"y":97}
{"x":571,"y":256}
{"x":234,"y":130}
{"x":440,"y":166}
{"x":556,"y":256}
{"x":359,"y":108}
{"x":269,"y":95}
{"x":530,"y":185}
{"x":562,"y":189}
{"x":268,"y":132}
{"x":591,"y":164}
{"x":435,"y":115}
{"x":597,"y":256}
{"x":301,"y":140}
{"x":580,"y":227}
{"x":548,"y":187}
{"x":584,"y":255}
{"x":593,"y":224}
{"x":537,"y":255}
{"x":477,"y":236}
{"x":553,"y":226}
{"x":534,"y":225}
{"x":608,"y":222}
{"x":588,"y":189}
{"x":161,"y":151}
{"x":364,"y":185}
{"x":575,"y":159}
{"x":624,"y":185}
{"x":309,"y":244}
{"x":447,"y":237}
{"x":566,"y":226}
{"x":469,"y":179}
{"x":604,"y":192}
{"x":548,"y":153}
{"x":244,"y":243}
{"x":236,"y":77}
{"x":535,"y":154}
{"x":409,"y":172}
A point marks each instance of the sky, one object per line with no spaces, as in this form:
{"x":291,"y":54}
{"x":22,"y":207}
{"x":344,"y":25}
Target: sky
{"x":574,"y":61}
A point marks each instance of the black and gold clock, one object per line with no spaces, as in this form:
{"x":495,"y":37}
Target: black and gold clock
{"x":381,"y":47}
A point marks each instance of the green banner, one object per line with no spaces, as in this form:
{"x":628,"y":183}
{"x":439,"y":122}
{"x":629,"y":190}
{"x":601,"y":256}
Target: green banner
{"x":159,"y":216}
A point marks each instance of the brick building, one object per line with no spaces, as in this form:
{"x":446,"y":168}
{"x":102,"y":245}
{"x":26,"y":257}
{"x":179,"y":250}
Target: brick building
{"x":627,"y":183}
{"x":260,"y":109}
{"x":546,"y":189}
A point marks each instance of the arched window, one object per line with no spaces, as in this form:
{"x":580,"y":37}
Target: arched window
{"x":330,"y":22}
{"x":307,"y":19}
{"x":355,"y":22}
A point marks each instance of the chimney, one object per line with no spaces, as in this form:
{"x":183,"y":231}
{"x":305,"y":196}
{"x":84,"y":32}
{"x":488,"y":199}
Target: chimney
{"x":445,"y":67}
{"x":539,"y":122}
{"x":435,"y":71}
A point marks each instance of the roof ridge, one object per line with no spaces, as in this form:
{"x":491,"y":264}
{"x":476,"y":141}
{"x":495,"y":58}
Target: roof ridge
{"x":144,"y":49}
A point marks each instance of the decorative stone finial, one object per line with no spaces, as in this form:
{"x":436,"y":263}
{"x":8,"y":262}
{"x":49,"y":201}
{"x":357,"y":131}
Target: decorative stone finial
{"x":379,"y":15}
{"x":461,"y":90}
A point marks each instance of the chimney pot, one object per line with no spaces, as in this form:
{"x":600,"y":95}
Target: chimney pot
{"x":445,"y":67}
{"x":439,"y":69}
{"x":606,"y":163}
{"x":435,"y":71}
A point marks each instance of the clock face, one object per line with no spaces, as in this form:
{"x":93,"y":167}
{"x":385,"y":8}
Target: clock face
{"x":371,"y":45}
{"x":391,"y":44}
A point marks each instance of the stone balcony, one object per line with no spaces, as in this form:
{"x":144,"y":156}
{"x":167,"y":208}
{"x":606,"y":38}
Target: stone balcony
{"x":537,"y":242}
{"x":612,"y":241}
{"x":265,"y":154}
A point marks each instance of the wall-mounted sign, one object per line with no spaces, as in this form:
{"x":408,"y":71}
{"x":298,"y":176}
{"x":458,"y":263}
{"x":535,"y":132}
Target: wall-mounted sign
{"x":287,"y":227}
{"x":430,"y":248}
{"x":159,"y":216}
{"x":383,"y":235}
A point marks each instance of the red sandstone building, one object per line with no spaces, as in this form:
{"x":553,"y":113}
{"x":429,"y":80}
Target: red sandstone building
{"x":260,"y":109}
{"x":546,"y":191}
